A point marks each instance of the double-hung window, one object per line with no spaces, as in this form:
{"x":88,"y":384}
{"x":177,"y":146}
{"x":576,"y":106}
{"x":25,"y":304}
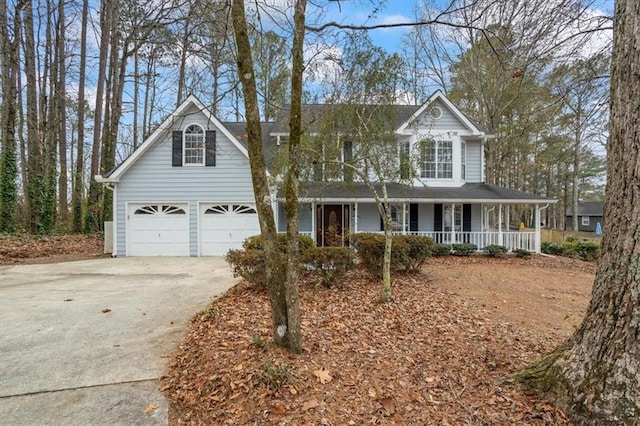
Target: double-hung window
{"x":193,"y":145}
{"x":437,"y":159}
{"x":405,"y":159}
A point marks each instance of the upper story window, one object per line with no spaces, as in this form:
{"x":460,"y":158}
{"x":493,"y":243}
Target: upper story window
{"x":193,"y":145}
{"x":404,"y":153}
{"x":437,"y":159}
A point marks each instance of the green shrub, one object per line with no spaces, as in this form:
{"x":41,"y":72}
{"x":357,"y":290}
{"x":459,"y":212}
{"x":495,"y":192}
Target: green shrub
{"x":587,"y":250}
{"x":250,"y":265}
{"x":495,"y":250}
{"x":441,"y":249}
{"x":255,"y":243}
{"x":419,"y":250}
{"x":464,"y":249}
{"x":331,"y":262}
{"x":408,"y":253}
{"x":522,"y":253}
{"x":551,"y":248}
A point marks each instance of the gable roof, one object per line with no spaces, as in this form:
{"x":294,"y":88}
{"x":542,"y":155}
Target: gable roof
{"x":160,"y":132}
{"x":587,"y":208}
{"x":312,"y":115}
{"x":438,"y":95}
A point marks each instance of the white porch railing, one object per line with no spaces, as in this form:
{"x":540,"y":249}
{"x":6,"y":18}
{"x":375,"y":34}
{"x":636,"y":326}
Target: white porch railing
{"x":512,"y":240}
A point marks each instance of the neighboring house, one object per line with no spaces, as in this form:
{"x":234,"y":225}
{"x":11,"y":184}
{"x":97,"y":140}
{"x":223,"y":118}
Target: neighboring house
{"x":186,"y":191}
{"x":590,"y":213}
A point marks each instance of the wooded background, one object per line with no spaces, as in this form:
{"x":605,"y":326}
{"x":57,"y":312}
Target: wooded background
{"x":84,"y":82}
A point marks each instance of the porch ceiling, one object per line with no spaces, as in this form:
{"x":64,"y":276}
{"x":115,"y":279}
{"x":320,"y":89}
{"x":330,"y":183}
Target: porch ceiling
{"x":467,"y":193}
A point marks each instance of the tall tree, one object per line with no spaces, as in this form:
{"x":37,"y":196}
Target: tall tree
{"x":281,"y":321}
{"x":77,"y":197}
{"x":8,"y":157}
{"x":272,"y":71}
{"x":291,"y":180}
{"x":594,"y":374}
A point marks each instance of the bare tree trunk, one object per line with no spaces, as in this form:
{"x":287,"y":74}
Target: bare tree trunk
{"x":35,"y":178}
{"x":136,"y":98}
{"x":594,"y":374}
{"x":63,"y":208}
{"x":275,"y":275}
{"x":9,"y":159}
{"x":576,"y":169}
{"x":92,"y":222}
{"x":184,"y":43}
{"x":78,"y":188}
{"x":291,"y":185}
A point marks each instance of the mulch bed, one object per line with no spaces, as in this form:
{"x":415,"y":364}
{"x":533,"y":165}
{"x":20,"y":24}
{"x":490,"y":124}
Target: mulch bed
{"x":422,"y":359}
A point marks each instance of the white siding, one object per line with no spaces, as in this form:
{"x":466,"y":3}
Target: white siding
{"x":425,"y":217}
{"x":447,"y":122}
{"x":368,"y":218}
{"x":474,"y":161}
{"x":152,"y":178}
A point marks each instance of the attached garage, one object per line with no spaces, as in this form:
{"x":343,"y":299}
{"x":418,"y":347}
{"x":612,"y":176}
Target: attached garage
{"x":225,"y":226}
{"x":158,"y":229}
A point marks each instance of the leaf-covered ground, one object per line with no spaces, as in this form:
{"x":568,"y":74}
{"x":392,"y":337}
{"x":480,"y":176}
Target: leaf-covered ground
{"x":437,"y":354}
{"x":24,"y":248}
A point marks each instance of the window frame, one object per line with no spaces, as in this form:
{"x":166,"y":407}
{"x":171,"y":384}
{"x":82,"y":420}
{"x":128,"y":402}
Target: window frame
{"x":202,"y":148}
{"x":436,"y":151}
{"x":587,"y":222}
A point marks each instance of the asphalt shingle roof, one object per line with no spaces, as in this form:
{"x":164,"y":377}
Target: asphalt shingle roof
{"x":587,"y":208}
{"x":466,"y":192}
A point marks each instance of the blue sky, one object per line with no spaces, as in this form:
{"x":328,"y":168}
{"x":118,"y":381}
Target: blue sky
{"x":361,"y":12}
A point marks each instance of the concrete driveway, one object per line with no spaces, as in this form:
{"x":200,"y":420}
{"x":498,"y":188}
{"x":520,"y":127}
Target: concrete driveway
{"x":85,"y":342}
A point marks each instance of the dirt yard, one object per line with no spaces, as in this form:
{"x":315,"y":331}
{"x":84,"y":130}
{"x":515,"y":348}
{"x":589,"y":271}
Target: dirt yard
{"x":439,"y":353}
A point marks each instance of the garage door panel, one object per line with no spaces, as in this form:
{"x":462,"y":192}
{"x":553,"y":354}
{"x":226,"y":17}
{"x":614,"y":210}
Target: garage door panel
{"x":158,"y":230}
{"x":226,"y":226}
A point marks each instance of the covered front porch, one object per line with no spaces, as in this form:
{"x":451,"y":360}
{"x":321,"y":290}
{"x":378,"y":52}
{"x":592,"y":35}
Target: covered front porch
{"x":333,"y":224}
{"x":478,"y":214}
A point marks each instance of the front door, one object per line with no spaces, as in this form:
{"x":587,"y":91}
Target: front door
{"x":332,"y":225}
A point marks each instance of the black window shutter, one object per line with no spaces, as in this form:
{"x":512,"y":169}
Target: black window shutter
{"x":466,"y":218}
{"x":437,"y":217}
{"x":176,"y":151}
{"x":413,"y":217}
{"x":210,"y":148}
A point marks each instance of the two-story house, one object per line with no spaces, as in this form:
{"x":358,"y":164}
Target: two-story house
{"x":186,"y":191}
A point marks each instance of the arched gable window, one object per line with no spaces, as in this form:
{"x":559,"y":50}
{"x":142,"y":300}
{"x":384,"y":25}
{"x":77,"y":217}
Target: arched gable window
{"x":193,"y":145}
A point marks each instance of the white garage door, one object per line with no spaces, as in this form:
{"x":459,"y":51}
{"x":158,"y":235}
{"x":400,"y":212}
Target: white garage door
{"x":226,"y":226}
{"x":158,"y":230}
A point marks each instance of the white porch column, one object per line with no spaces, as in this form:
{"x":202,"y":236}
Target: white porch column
{"x":508,"y":218}
{"x":355,"y":217}
{"x":313,"y":222}
{"x":500,"y":241}
{"x":537,"y":216}
{"x":453,"y":224}
{"x":404,"y":218}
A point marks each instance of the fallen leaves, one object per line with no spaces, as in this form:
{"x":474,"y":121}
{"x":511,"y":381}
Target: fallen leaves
{"x":425,"y":358}
{"x":150,"y":408}
{"x":26,"y":248}
{"x":323,"y":375}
